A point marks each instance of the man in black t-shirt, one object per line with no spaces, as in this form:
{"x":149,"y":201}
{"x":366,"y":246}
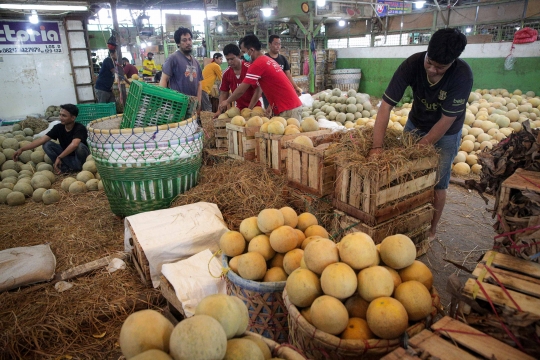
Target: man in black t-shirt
{"x":72,"y":151}
{"x":274,"y":45}
{"x":441,"y":85}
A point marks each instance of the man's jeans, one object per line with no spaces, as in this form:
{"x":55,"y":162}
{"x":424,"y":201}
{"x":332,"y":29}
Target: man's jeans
{"x":72,"y":162}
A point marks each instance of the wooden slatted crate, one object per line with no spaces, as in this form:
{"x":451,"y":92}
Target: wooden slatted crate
{"x":414,"y":224}
{"x":242,"y":141}
{"x":271,"y":149}
{"x":168,"y":292}
{"x":139,"y":259}
{"x":521,"y":180}
{"x":512,"y":285}
{"x":454,"y":340}
{"x":310,"y":169}
{"x":220,"y":133}
{"x":382,"y":196}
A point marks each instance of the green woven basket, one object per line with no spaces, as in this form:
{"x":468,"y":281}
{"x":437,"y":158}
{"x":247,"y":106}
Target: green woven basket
{"x":91,"y":112}
{"x":149,"y":105}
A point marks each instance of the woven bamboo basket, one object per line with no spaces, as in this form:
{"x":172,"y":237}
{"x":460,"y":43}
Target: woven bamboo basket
{"x":267,"y":311}
{"x":345,"y":79}
{"x":144,"y":169}
{"x":282,"y":351}
{"x":315,"y":344}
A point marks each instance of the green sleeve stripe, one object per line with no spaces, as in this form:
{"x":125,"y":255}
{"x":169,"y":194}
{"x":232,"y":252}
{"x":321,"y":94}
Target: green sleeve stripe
{"x":390,"y":98}
{"x":451,"y":112}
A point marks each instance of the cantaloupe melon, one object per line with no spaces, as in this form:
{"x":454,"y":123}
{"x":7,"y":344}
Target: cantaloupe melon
{"x":84,"y":176}
{"x":261,"y":344}
{"x":309,"y":124}
{"x":240,"y":349}
{"x":48,"y":173}
{"x":461,"y":168}
{"x":257,"y":111}
{"x":275,"y":274}
{"x":303,"y":287}
{"x":3,"y":195}
{"x":303,"y":140}
{"x":316,"y":230}
{"x":308,"y":240}
{"x":264,"y":127}
{"x":50,"y":196}
{"x":249,"y":229}
{"x":198,"y":337}
{"x":356,"y":306}
{"x":77,"y":187}
{"x":243,"y":320}
{"x":92,"y":185}
{"x":416,"y":299}
{"x":145,"y":330}
{"x":246,"y":113}
{"x":283,"y":239}
{"x":238,"y":121}
{"x":328,"y":314}
{"x":339,"y":280}
{"x":276,"y":128}
{"x":37,"y":195}
{"x":67,"y":182}
{"x":291,"y":130}
{"x":233,"y":264}
{"x":222,"y":308}
{"x":152,"y":354}
{"x":291,"y":260}
{"x":320,"y":253}
{"x":398,"y":251}
{"x":289,"y":216}
{"x":40,"y":181}
{"x":306,"y":313}
{"x":395,"y":276}
{"x":270,"y":219}
{"x":232,"y":243}
{"x":232,"y":112}
{"x":374,"y":282}
{"x":357,"y":329}
{"x":24,"y":187}
{"x":90,"y":166}
{"x":261,"y":244}
{"x":305,"y":220}
{"x":37,"y":156}
{"x":357,"y":250}
{"x":251,"y":266}
{"x":387,"y":318}
{"x":301,"y":238}
{"x":417,"y":271}
{"x":476,"y":168}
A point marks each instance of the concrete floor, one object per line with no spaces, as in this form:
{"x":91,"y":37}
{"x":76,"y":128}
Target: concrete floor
{"x":464,"y":235}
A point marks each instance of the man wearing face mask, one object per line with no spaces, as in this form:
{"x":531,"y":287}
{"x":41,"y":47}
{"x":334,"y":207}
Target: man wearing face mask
{"x":441,"y":84}
{"x":267,"y":74}
{"x":181,"y":71}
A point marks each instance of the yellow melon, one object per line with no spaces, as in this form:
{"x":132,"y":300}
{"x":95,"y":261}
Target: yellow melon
{"x":356,"y":306}
{"x":264,"y":127}
{"x":275,"y":274}
{"x":249,"y":229}
{"x":357,"y":329}
{"x":240,"y":349}
{"x":416,"y":299}
{"x":339,"y":280}
{"x":238,"y":120}
{"x":374,"y":282}
{"x":395,"y":276}
{"x":254,"y":121}
{"x":292,"y":259}
{"x":251,"y":266}
{"x":417,"y":271}
{"x":233,"y":264}
{"x":316,"y":230}
{"x":257,"y":110}
{"x":293,"y":121}
{"x":198,"y":337}
{"x":261,"y":344}
{"x":307,"y":240}
{"x":387,"y":318}
{"x":328,"y":314}
{"x":398,"y":251}
{"x":279,"y":119}
{"x":261,"y":244}
{"x":309,"y":124}
{"x":320,"y":253}
{"x":303,"y":287}
{"x":303,"y":140}
{"x":145,"y":330}
{"x":246,"y":113}
{"x":305,"y":220}
{"x":152,"y":354}
{"x":357,"y":250}
{"x":232,"y":243}
{"x":224,"y":309}
{"x":283,"y":239}
{"x":270,"y":219}
{"x":276,"y":128}
{"x":291,"y":130}
{"x":301,"y":237}
{"x":306,"y":313}
{"x":303,"y":264}
{"x":289,"y":216}
{"x":276,"y":261}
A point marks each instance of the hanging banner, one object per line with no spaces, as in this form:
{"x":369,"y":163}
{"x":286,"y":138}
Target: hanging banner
{"x":23,"y":37}
{"x":385,"y":7}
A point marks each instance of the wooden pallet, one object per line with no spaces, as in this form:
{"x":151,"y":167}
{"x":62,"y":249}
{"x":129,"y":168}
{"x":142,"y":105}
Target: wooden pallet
{"x":378,"y":198}
{"x":220,"y":133}
{"x":242,"y":142}
{"x":139,"y":259}
{"x":175,"y":305}
{"x":454,"y":340}
{"x":517,"y":304}
{"x":309,"y":169}
{"x":271,"y":150}
{"x":412,"y":223}
{"x":521,"y":180}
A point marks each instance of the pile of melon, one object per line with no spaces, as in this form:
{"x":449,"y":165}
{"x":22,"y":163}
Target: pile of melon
{"x":216,"y":331}
{"x":86,"y":180}
{"x":52,"y":110}
{"x":269,"y":247}
{"x":358,"y":291}
{"x":491,"y":116}
{"x":350,"y":108}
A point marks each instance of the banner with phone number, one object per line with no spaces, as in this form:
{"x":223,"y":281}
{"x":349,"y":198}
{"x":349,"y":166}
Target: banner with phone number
{"x":23,"y":38}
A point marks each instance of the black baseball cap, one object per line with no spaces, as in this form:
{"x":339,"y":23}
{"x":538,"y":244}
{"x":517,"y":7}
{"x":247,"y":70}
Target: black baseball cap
{"x":150,"y":53}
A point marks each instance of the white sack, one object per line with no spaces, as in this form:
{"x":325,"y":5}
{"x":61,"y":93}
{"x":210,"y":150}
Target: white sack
{"x":192,"y":280}
{"x":174,"y":234}
{"x":307,"y":100}
{"x":44,"y":132}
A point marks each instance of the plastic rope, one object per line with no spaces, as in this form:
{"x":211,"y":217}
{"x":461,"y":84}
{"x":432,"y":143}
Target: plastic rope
{"x":224,"y":271}
{"x":529,"y":180}
{"x":503,"y":287}
{"x":461,"y":332}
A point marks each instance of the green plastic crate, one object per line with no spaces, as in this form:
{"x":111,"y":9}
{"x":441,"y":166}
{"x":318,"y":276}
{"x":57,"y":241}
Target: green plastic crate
{"x":150,"y":105}
{"x":91,"y":112}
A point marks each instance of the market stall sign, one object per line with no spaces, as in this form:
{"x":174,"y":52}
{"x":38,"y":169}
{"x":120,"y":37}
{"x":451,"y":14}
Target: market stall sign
{"x":384,"y":7}
{"x":23,"y":38}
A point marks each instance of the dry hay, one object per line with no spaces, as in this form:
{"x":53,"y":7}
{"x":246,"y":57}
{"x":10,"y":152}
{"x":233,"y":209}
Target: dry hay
{"x":207,"y":122}
{"x":83,"y":322}
{"x":36,"y":124}
{"x":240,"y":189}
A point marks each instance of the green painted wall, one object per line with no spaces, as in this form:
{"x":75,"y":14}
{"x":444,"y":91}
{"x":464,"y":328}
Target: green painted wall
{"x":489,"y":73}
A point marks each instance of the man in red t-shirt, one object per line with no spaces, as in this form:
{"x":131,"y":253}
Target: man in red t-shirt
{"x":233,"y":77}
{"x":129,"y":70}
{"x":267,"y":74}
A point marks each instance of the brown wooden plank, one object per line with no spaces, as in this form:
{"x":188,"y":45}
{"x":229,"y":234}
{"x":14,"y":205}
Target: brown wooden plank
{"x":289,"y":164}
{"x":523,"y":180}
{"x":354,"y":212}
{"x":250,"y":155}
{"x":238,"y":141}
{"x":220,"y":133}
{"x":297,"y":174}
{"x":400,"y":354}
{"x":344,"y":186}
{"x":140,"y":271}
{"x":511,"y":280}
{"x":498,"y":296}
{"x":230,"y":138}
{"x":437,"y":347}
{"x":402,"y":190}
{"x":222,"y":143}
{"x":235,"y":127}
{"x":409,"y":167}
{"x":365,"y":198}
{"x":355,"y":190}
{"x":168,"y":292}
{"x":389,"y":212}
{"x":275,"y":160}
{"x":237,"y":157}
{"x":305,"y":168}
{"x":251,"y":131}
{"x":512,"y":263}
{"x":250,"y":144}
{"x":314,"y":169}
{"x":88,"y":267}
{"x":476,"y":341}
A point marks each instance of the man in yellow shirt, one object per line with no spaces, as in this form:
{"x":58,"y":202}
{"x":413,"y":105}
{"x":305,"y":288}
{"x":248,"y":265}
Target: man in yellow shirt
{"x":149,"y":66}
{"x":210,"y":73}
